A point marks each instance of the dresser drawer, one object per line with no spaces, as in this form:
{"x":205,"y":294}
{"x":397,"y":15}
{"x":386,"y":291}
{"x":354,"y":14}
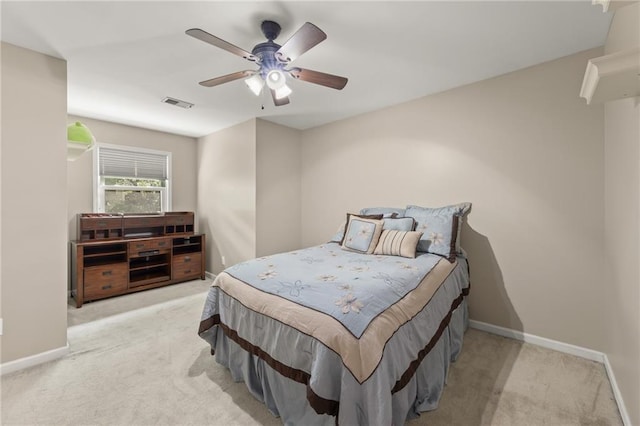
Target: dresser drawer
{"x":179,"y":220}
{"x":186,"y":266}
{"x":100,"y":223}
{"x":105,"y":281}
{"x":160,"y":244}
{"x":143,"y":222}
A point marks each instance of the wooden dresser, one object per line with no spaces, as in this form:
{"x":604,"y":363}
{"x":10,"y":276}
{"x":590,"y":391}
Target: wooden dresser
{"x":119,"y":254}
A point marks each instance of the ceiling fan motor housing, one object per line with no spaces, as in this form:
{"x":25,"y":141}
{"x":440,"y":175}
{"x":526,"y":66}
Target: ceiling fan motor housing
{"x":266,"y":52}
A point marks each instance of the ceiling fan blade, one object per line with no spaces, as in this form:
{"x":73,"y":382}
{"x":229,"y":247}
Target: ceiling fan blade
{"x":218,"y":42}
{"x":321,"y":78}
{"x":278,"y":102}
{"x":227,"y":78}
{"x":304,"y":39}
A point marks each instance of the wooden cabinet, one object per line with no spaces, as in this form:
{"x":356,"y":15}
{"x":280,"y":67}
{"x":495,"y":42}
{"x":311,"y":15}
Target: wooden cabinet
{"x":188,"y":258}
{"x":119,"y":255}
{"x":105,"y":281}
{"x":186,"y":266}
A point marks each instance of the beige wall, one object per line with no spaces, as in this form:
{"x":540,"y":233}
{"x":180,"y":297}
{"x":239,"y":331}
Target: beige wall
{"x":227,"y":194}
{"x":183,"y":165}
{"x":34,"y":203}
{"x":525,"y":150}
{"x":277,"y":188}
{"x":0,"y":206}
{"x":622,"y":242}
{"x":623,"y":32}
{"x":249,"y":192}
{"x":622,"y":224}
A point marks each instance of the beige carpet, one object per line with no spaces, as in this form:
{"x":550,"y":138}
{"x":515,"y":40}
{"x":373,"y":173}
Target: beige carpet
{"x":148,"y":367}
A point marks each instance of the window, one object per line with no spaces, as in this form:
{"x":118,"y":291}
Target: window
{"x":131,"y":180}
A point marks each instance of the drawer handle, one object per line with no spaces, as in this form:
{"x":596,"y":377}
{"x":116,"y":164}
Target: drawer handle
{"x":105,"y":273}
{"x":187,"y":259}
{"x":188,"y":271}
{"x":102,"y":223}
{"x":161,"y":243}
{"x":139,"y":245}
{"x":106,"y":287}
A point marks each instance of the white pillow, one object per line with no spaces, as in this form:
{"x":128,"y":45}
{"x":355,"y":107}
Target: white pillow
{"x":398,"y":243}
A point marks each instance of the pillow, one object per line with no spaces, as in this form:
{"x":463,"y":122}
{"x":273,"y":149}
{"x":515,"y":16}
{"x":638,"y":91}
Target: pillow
{"x":385,"y":211}
{"x":338,"y":237}
{"x":398,"y":243}
{"x":399,"y":224}
{"x":362,"y":234}
{"x":440,"y":227}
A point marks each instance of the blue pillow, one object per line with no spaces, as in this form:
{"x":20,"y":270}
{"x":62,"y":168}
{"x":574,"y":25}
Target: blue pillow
{"x":385,"y":211}
{"x":362,"y":235}
{"x":399,"y":224}
{"x":440,"y":228}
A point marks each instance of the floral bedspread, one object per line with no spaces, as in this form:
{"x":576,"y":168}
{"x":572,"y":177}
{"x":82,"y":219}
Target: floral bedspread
{"x":352,"y":288}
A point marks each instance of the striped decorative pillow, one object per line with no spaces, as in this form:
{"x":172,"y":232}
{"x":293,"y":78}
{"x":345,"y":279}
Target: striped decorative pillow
{"x":398,"y":243}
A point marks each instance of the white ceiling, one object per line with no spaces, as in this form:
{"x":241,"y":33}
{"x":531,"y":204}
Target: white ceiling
{"x":124,"y":57}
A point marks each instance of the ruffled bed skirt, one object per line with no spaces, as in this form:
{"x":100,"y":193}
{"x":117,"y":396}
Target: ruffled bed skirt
{"x":287,"y":399}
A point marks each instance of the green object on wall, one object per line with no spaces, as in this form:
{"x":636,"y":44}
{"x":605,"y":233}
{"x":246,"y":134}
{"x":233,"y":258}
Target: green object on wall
{"x":79,"y":133}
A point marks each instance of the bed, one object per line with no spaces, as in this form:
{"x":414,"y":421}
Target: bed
{"x":347,"y":332}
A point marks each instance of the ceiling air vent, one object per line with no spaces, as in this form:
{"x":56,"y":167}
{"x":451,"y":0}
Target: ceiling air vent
{"x":177,"y":102}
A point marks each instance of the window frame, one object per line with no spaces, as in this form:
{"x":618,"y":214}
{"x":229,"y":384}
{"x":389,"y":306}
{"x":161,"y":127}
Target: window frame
{"x":99,"y":190}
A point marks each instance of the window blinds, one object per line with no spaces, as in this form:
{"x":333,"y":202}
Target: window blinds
{"x":115,"y":162}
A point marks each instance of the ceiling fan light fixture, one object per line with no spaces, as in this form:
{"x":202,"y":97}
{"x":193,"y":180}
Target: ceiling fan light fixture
{"x":276,"y":79}
{"x":255,"y":84}
{"x":283,"y":91}
{"x":273,"y":60}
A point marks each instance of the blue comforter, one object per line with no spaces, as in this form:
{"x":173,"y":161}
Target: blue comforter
{"x":361,"y":325}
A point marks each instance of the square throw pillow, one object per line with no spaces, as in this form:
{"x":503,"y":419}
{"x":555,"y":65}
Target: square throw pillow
{"x":362,"y":234}
{"x":398,"y":243}
{"x":338,"y":237}
{"x":440,"y":227}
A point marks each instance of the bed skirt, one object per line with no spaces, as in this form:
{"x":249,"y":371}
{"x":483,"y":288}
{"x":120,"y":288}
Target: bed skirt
{"x":287,"y":399}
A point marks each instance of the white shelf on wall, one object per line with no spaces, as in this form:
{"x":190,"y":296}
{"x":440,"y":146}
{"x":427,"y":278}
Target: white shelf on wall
{"x":611,"y":5}
{"x":76,"y":149}
{"x":611,"y":77}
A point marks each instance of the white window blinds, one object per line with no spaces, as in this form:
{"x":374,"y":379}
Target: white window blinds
{"x":115,"y":162}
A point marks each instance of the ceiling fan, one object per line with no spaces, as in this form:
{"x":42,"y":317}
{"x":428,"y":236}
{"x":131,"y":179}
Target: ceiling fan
{"x":273,"y":60}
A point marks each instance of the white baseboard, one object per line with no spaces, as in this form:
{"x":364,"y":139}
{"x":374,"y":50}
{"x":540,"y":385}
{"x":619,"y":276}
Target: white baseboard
{"x":565,"y":348}
{"x":539,"y":341}
{"x":626,"y":420}
{"x":30,"y":361}
{"x":210,"y":275}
